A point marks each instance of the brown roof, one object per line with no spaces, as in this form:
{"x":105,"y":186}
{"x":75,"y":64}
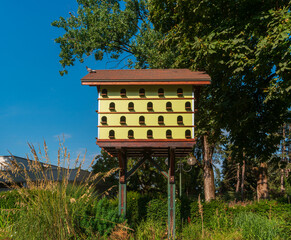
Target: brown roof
{"x":144,"y":75}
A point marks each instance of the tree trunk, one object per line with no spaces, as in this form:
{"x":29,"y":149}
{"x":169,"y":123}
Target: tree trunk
{"x":243,"y":178}
{"x":237,"y":180}
{"x":262,"y":183}
{"x":282,"y":185}
{"x":208,"y":175}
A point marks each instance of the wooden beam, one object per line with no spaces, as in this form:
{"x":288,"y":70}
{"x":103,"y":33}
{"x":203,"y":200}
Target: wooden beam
{"x":142,"y":143}
{"x":132,"y":112}
{"x":133,"y":170}
{"x":158,"y":167}
{"x":156,"y":98}
{"x":203,"y":82}
{"x":172,"y":165}
{"x":146,"y":126}
{"x":122,"y":165}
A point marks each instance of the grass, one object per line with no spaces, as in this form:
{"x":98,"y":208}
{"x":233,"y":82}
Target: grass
{"x":50,"y":209}
{"x":257,"y":227}
{"x":151,"y":230}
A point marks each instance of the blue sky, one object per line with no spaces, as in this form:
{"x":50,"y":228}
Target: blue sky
{"x":36,"y":103}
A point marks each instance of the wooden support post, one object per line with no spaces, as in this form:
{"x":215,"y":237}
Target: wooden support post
{"x":122,"y":181}
{"x":171,"y":194}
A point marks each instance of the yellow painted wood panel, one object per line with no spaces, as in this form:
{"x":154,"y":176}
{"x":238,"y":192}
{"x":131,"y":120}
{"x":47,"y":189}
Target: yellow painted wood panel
{"x":141,"y":133}
{"x":150,"y":91}
{"x":150,"y":119}
{"x":159,"y":105}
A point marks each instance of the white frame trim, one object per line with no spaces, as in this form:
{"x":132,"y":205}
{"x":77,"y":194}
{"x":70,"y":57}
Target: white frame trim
{"x":98,"y":108}
{"x":193,"y":108}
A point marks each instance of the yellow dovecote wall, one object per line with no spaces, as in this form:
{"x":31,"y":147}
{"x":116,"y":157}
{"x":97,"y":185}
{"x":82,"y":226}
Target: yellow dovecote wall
{"x":167,"y":102}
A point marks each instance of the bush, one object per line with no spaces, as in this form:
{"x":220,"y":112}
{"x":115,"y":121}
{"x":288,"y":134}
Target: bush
{"x":157,"y":210}
{"x":101,"y":218}
{"x":136,"y":207}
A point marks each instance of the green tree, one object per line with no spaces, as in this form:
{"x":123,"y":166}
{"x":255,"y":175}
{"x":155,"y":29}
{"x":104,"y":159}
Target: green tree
{"x":146,"y":179}
{"x":103,"y":164}
{"x":115,"y":28}
{"x":120,"y":29}
{"x":245,"y":47}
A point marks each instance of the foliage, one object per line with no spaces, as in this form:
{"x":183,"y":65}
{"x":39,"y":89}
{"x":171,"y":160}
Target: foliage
{"x":257,"y":220}
{"x":245,"y":47}
{"x":54,"y":208}
{"x":101,"y":218}
{"x":157,"y":210}
{"x":192,"y":229}
{"x":254,"y":226}
{"x":214,"y":214}
{"x":136,"y":207}
{"x":9,"y":199}
{"x":108,"y":27}
{"x":102,"y":164}
{"x":146,"y":179}
{"x":270,"y":209}
{"x":230,"y":166}
{"x":151,"y":230}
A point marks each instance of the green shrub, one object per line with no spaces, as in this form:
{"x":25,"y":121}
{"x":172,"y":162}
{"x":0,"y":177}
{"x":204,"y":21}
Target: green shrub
{"x":185,"y":208}
{"x":136,"y":207}
{"x":101,"y":218}
{"x":157,"y":210}
{"x":256,"y":227}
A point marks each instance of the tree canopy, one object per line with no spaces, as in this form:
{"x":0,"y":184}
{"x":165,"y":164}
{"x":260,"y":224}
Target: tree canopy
{"x":244,"y":45}
{"x":120,"y":29}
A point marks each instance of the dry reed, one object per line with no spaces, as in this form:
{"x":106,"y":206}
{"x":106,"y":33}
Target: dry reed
{"x":201,"y":214}
{"x":45,"y":190}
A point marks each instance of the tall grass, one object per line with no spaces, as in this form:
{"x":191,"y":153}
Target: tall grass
{"x":151,"y":230}
{"x":52,"y":207}
{"x":258,"y":227}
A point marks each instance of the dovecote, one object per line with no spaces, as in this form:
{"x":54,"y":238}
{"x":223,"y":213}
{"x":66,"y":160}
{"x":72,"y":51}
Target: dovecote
{"x":151,"y":107}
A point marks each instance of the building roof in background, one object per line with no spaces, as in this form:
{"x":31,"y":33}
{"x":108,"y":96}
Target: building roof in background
{"x":52,"y":172}
{"x":103,"y":77}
